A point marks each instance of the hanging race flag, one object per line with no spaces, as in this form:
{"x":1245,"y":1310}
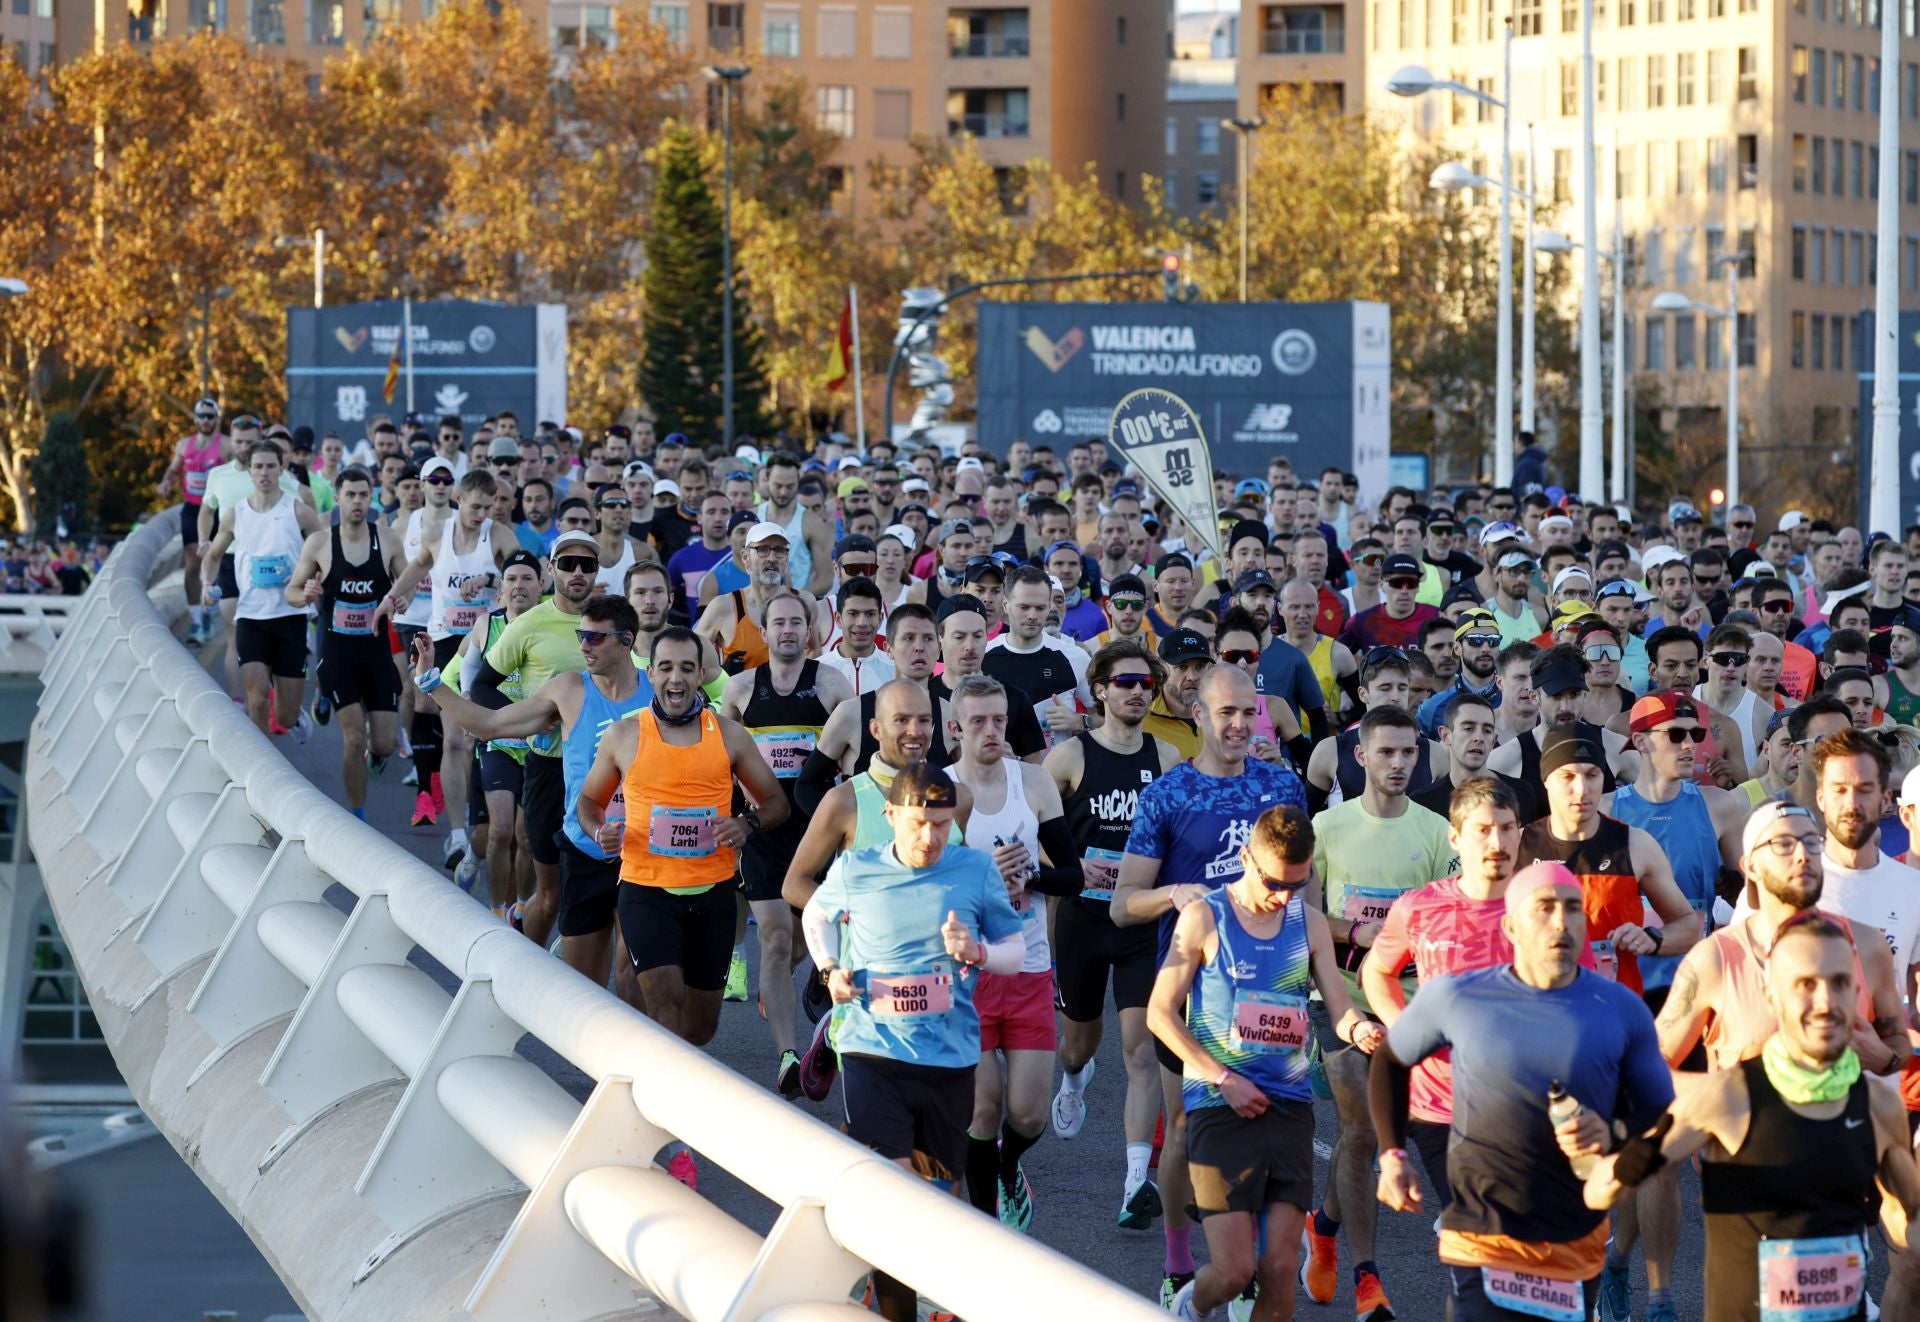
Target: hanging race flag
{"x":840,"y":353}
{"x":1155,"y":432}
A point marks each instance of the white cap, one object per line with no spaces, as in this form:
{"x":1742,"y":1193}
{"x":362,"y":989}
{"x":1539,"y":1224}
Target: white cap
{"x":1557,"y":520}
{"x":435,"y":465}
{"x":848,"y":461}
{"x":575,"y":537}
{"x":1839,"y":595}
{"x":1772,"y":810}
{"x":749,"y":454}
{"x":666,"y":486}
{"x":638,"y":466}
{"x":1514,"y":559}
{"x":914,"y":486}
{"x":1499,"y":531}
{"x":970,"y":464}
{"x":1643,"y":595}
{"x":1058,"y":586}
{"x":1792,"y":519}
{"x":1659,"y":555}
{"x":902,"y":534}
{"x":1571,"y":571}
{"x":765,"y":532}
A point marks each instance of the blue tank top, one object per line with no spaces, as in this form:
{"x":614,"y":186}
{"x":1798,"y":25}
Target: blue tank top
{"x":597,"y":712}
{"x":1248,"y":1007}
{"x":730,"y":577}
{"x":1683,"y":827}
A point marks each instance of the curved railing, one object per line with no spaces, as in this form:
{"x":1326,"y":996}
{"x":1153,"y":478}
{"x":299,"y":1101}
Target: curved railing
{"x":378,"y":1137}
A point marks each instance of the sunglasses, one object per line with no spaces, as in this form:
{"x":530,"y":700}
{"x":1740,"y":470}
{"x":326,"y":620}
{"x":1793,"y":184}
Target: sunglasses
{"x":1480,"y":639}
{"x":1372,"y":558}
{"x":206,"y":417}
{"x":1677,"y":735}
{"x":1778,"y":606}
{"x":1603,"y":652}
{"x":739,"y":475}
{"x":439,"y":480}
{"x":862,"y":570}
{"x":1277,"y":886}
{"x":1376,"y":654}
{"x":577,"y":564}
{"x":1500,"y":509}
{"x":616,"y":504}
{"x":595,"y":637}
{"x":1240,"y":656}
{"x":506,"y":463}
{"x":1133,"y":681}
{"x":1127,"y":603}
{"x":1404,"y":584}
{"x":1732,"y":660}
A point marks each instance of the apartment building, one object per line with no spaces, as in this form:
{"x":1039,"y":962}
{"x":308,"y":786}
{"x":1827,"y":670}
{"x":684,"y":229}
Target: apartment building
{"x":1202,"y":158}
{"x":1314,"y":45}
{"x":26,"y":32}
{"x":1065,"y":81}
{"x":1727,"y":129}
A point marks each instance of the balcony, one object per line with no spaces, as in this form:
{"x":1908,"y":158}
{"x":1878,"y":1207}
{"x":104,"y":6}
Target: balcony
{"x":1303,"y":30}
{"x":986,"y":124}
{"x":987,"y":46}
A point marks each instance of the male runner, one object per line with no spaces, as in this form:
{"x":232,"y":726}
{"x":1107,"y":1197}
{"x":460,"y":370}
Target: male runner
{"x":1476,"y":647}
{"x":916,"y":922}
{"x":734,"y":623}
{"x":1100,"y":775}
{"x":846,"y":745}
{"x":348,"y":573}
{"x":784,"y":705}
{"x":1186,"y":841}
{"x":1052,"y":678}
{"x":1517,"y":1230}
{"x":808,"y":536}
{"x":194,"y":457}
{"x":1230,"y":1003}
{"x":1385,"y":681}
{"x":854,"y":653}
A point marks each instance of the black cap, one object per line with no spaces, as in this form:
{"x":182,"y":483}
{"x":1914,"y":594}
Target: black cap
{"x":1185,"y":645}
{"x":922,"y":786}
{"x":1563,"y":749}
{"x":1244,"y":528}
{"x":1254,"y":578}
{"x":1461,"y":591}
{"x":1560,"y":677}
{"x":522,"y":557}
{"x":741,"y":519}
{"x":1611,"y":550}
{"x":1173,"y":560}
{"x":982,"y":565}
{"x":852,"y":542}
{"x":959,"y":603}
{"x":1399,"y":564}
{"x":1442,"y":518}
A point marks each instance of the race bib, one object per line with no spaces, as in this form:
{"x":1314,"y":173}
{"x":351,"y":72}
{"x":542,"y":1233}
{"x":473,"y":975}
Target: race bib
{"x":909,"y":995}
{"x":1367,"y":904}
{"x":196,"y":482}
{"x":354,"y":617}
{"x":463,"y":615}
{"x":269,"y":571}
{"x":1535,"y":1296}
{"x":681,"y":832}
{"x":785,"y":750}
{"x":424,"y":592}
{"x":1606,"y":962}
{"x":545,"y":742}
{"x":1811,"y":1280}
{"x":1099,"y":873}
{"x":1268,"y":1023}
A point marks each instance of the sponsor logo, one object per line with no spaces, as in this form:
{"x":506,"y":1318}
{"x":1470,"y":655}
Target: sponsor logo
{"x":449,"y":398}
{"x":350,"y":403}
{"x":1232,"y":840}
{"x":1294,"y":352}
{"x":1269,"y":424}
{"x":480,"y":339}
{"x":1243,"y":969}
{"x":350,"y":340}
{"x":1047,"y":423}
{"x":1055,"y":353}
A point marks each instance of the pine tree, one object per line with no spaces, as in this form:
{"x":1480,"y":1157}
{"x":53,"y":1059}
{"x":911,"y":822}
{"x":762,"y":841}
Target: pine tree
{"x":62,"y":485}
{"x":681,"y":372}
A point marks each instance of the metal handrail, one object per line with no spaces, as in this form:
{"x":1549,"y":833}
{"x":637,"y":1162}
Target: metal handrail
{"x":209,"y":844}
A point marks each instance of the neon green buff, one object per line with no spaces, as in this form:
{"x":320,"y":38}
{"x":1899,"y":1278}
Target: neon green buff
{"x":1800,"y":1086}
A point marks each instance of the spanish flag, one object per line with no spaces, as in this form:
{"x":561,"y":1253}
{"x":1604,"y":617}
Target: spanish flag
{"x":393,"y":369}
{"x":840,"y":354}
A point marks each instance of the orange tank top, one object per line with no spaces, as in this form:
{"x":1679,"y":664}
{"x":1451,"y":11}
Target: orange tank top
{"x":676,"y":796}
{"x":1742,"y":1021}
{"x":746,"y":649}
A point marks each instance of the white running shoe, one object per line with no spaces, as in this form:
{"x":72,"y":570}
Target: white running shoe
{"x":455,"y":848}
{"x":1070,"y":1107}
{"x":302,"y":728}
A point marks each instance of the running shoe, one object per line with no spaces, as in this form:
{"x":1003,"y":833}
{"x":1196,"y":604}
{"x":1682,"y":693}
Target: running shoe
{"x":274,"y":726}
{"x":1661,"y":1312}
{"x":302,"y":729}
{"x":683,"y":1169}
{"x":736,"y":980}
{"x":375,"y":764}
{"x":412,"y":778}
{"x":1171,"y":1284}
{"x":1016,"y":1201}
{"x":403,"y":746}
{"x":439,"y":796}
{"x":787,"y":1077}
{"x":1319,"y":1263}
{"x":467,"y":873}
{"x":1615,"y":1303}
{"x":1139,"y":1205}
{"x":454,"y":850}
{"x":816,"y":1000}
{"x":423,"y":814}
{"x":1240,"y":1308}
{"x":1070,"y":1107}
{"x":1182,"y":1305}
{"x":818,"y":1065}
{"x":322,"y":709}
{"x":1370,"y":1300}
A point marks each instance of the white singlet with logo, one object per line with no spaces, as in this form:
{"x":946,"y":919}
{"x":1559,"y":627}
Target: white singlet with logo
{"x":266,"y":547}
{"x":1015,"y":820}
{"x":454,"y":614}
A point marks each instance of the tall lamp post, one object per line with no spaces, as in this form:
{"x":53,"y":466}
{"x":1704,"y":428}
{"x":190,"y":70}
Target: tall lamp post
{"x":727,"y":75}
{"x":1884,"y":512}
{"x":1414,"y":80}
{"x":1244,"y":127}
{"x":1552,"y":241}
{"x":1669,"y":300}
{"x":1455,"y":177}
{"x":319,"y":245}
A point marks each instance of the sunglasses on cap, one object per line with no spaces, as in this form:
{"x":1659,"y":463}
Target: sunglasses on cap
{"x":1132,"y":681}
{"x":1732,"y":660}
{"x":738,"y":475}
{"x":1603,"y":652}
{"x":577,"y":564}
{"x":1618,"y":588}
{"x":1376,"y":654}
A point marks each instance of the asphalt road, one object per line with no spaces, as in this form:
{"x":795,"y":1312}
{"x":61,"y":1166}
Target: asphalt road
{"x":1076,"y":1184}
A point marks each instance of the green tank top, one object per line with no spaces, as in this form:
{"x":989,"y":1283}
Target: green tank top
{"x":1902,"y":704}
{"x":512,"y":686}
{"x":870,"y":827}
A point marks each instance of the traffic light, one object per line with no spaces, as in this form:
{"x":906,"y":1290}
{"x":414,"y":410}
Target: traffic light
{"x":1170,"y":277}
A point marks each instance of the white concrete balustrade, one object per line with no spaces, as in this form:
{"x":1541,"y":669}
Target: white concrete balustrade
{"x":379,"y":1138}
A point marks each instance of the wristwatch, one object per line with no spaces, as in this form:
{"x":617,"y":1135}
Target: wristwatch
{"x":1658,"y":935}
{"x":826,"y":974}
{"x":751,"y":817}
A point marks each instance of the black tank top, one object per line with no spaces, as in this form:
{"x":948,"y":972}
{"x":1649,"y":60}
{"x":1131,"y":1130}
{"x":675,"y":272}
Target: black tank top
{"x":1101,"y":809}
{"x":355,"y":590}
{"x":785,"y":723}
{"x":1530,"y":753}
{"x":1793,"y":1178}
{"x":1352,"y":778}
{"x":937,"y":755}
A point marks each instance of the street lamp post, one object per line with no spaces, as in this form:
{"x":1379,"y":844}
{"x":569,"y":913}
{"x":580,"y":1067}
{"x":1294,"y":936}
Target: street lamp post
{"x":1883,"y":513}
{"x":1672,"y":301}
{"x":319,"y":245}
{"x":1590,"y":474}
{"x":1552,"y":241}
{"x":1414,"y":80}
{"x":1244,"y":127}
{"x":727,"y":75}
{"x":1526,"y":299}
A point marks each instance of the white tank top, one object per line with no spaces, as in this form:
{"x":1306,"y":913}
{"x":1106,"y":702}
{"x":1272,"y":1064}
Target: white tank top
{"x":454,"y":615}
{"x":1742,"y":718}
{"x":266,"y":546}
{"x":1015,"y":820}
{"x":799,"y":554}
{"x":614,"y":577}
{"x":419,"y":611}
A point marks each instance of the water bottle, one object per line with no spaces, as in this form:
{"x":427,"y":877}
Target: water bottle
{"x":1561,"y":1106}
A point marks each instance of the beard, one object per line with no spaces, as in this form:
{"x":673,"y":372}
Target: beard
{"x":1796,"y":889}
{"x":1852,"y":829}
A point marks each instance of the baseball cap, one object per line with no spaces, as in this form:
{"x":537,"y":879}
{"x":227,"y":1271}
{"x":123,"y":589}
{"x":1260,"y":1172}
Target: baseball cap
{"x":666,"y":486}
{"x":847,"y":461}
{"x":1615,"y":550}
{"x":1792,"y":519}
{"x":1475,"y":621}
{"x":915,"y":486}
{"x":849,"y":485}
{"x":435,"y":465}
{"x":1563,"y":749}
{"x":1839,"y":595}
{"x":902,"y":534}
{"x":206,"y":408}
{"x":748,"y":455}
{"x":1909,"y":789}
{"x":1569,"y":612}
{"x":1659,"y":708}
{"x":851,"y":544}
{"x":637,"y":466}
{"x":1571,"y":572}
{"x":1251,"y":486}
{"x":1254,"y":579}
{"x":763,"y":532}
{"x":982,"y":565}
{"x":1681,"y":512}
{"x":1556,"y":521}
{"x":1499,"y":530}
{"x":1442,"y":519}
{"x":970,"y":464}
{"x":953,"y":528}
{"x":1245,"y":528}
{"x":1514,"y":560}
{"x":1172,"y":560}
{"x":1658,"y":556}
{"x":922,"y":786}
{"x":1127,"y":583}
{"x":1185,"y":645}
{"x":675,"y":438}
{"x":1557,"y":677}
{"x":1775,"y":810}
{"x":741,"y":519}
{"x":503,"y":447}
{"x":1620,"y":587}
{"x":1399,"y":564}
{"x":575,"y":540}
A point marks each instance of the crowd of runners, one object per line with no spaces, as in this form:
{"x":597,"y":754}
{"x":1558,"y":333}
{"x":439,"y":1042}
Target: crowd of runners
{"x":1550,"y":846}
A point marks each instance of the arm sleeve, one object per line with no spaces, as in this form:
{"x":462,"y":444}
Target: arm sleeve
{"x":485,"y":674}
{"x":817,"y":778}
{"x":1318,"y":727}
{"x":822,"y":933}
{"x":1064,"y":876}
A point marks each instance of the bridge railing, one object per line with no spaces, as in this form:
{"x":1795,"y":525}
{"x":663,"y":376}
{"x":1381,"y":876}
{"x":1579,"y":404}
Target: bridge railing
{"x":384,"y":1141}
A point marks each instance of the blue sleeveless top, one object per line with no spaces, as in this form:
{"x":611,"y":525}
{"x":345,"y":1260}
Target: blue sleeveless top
{"x":1248,"y":1006}
{"x":597,"y":712}
{"x":1683,"y":827}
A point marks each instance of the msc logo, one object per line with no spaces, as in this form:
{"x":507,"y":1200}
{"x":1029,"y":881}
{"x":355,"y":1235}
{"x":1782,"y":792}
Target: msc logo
{"x":1055,"y":353}
{"x":480,"y":339}
{"x":1294,"y":352}
{"x":1046,"y":422}
{"x":1268,"y":417}
{"x":449,"y":398}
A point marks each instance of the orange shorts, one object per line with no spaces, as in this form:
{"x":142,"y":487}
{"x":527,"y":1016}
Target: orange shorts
{"x":1016,"y":1011}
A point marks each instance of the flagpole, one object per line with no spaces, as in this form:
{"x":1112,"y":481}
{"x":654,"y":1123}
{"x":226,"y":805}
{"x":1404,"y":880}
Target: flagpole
{"x":859,"y":395}
{"x":406,"y":336}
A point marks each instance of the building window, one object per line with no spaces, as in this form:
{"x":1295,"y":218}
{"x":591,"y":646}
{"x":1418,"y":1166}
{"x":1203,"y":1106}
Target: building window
{"x":1407,"y":15}
{"x":1818,"y":172}
{"x":1651,"y":258}
{"x":1746,"y":251}
{"x":1683,"y":67}
{"x":1684,"y":352}
{"x":211,"y":14}
{"x":1747,"y":336}
{"x":1837,"y":153}
{"x":1716,"y":77}
{"x":1683,"y":256}
{"x":893,"y":114}
{"x":1569,"y":89}
{"x":1206,"y":188}
{"x":726,"y":27}
{"x":1859,"y":83}
{"x":1798,"y":339}
{"x":1716,"y":343}
{"x":377,"y":15}
{"x":1686,"y":167}
{"x":1170,"y":191}
{"x":1839,"y":81}
{"x":1120,"y":184}
{"x":1656,"y":11}
{"x":1459,"y":24}
{"x":1839,"y":338}
{"x":1817,"y":273}
{"x":1600,"y":85}
{"x":1716,"y":165}
{"x":1482,"y":111}
{"x":1657,"y":169}
{"x":1910,"y":91}
{"x":1120,"y":30}
{"x":1120,"y":106}
{"x":1910,"y":263}
{"x":1173,"y":135}
{"x":1656,"y":359}
{"x":1626,"y":13}
{"x":1856,"y":258}
{"x":1818,"y":74}
{"x":1206,"y":137}
{"x":1873,"y":173}
{"x":1569,"y":16}
{"x":780,"y":32}
{"x":1656,"y":82}
{"x":1562,"y":174}
{"x":1527,"y":18}
{"x":834,"y":109}
{"x":1817,"y":344}
{"x":838,"y":35}
{"x":1797,"y":74}
{"x":267,"y":22}
{"x":1856,"y":155}
{"x":1749,"y":86}
{"x":672,"y":19}
{"x":1799,"y":252}
{"x":327,"y":22}
{"x":1624,"y":82}
{"x":1910,"y":181}
{"x":1748,"y":151}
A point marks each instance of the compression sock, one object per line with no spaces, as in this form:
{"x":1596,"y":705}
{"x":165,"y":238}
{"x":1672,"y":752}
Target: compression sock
{"x":1616,"y":1260}
{"x":1324,"y":1224}
{"x":1013,"y":1146}
{"x":361,"y":812}
{"x":1075,"y":1081}
{"x":1179,"y":1250}
{"x":983,"y":1168}
{"x":425,"y":737}
{"x":1138,"y":1155}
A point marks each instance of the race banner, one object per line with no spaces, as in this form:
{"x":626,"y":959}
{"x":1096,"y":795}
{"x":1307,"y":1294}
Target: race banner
{"x":1155,"y":432}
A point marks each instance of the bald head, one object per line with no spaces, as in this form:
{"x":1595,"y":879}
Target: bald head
{"x":902,"y":722}
{"x":1299,"y":592}
{"x":1224,"y":685}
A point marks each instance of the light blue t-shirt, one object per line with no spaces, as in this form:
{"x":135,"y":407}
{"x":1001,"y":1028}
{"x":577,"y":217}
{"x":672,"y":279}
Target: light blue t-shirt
{"x":913,"y":1002}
